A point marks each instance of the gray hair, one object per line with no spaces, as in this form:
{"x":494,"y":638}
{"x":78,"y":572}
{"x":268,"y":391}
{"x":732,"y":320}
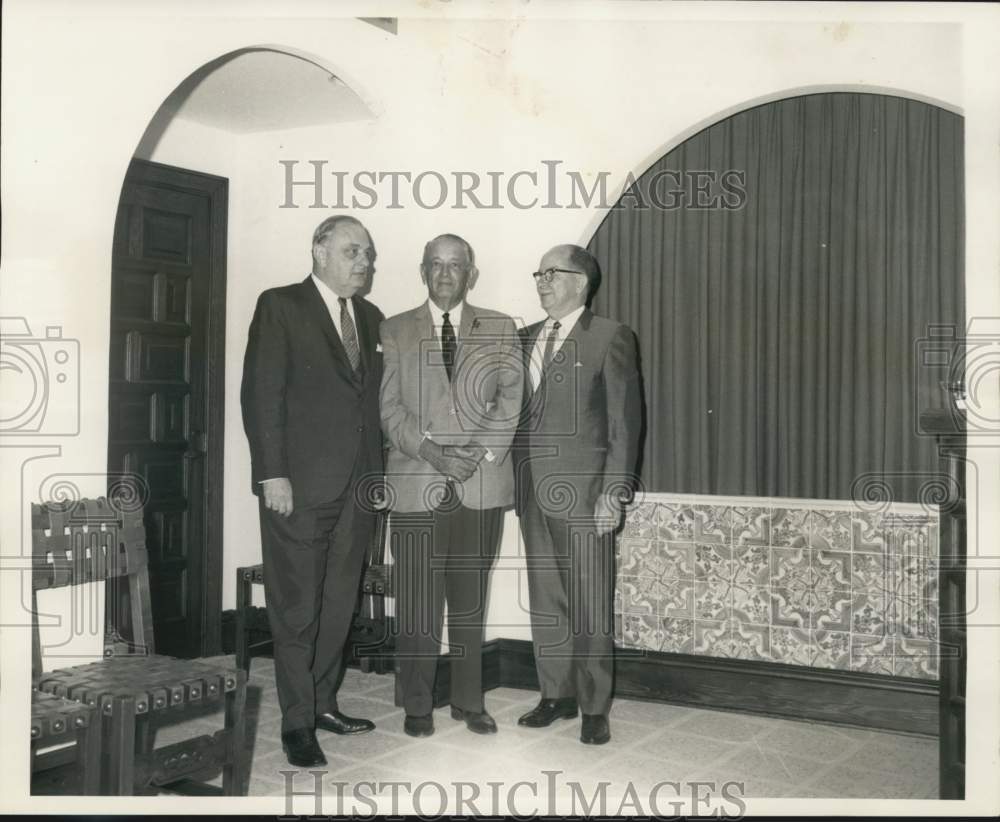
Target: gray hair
{"x":454,"y":238}
{"x":329,"y":225}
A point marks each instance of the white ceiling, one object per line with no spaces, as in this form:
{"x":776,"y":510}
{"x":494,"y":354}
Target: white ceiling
{"x":264,"y":90}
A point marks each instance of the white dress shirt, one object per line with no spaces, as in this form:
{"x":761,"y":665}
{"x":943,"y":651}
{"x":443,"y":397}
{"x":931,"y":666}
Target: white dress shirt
{"x":565,"y":326}
{"x":437,"y":317}
{"x":333,"y":306}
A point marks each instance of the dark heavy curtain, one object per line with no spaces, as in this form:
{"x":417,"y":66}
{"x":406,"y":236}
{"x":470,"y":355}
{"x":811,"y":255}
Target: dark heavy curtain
{"x":780,"y":338}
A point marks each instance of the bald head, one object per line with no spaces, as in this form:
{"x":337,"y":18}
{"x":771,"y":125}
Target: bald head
{"x":575,"y":277}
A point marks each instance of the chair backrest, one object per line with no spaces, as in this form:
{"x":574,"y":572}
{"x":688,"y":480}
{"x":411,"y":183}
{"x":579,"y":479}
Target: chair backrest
{"x":90,"y":540}
{"x":84,"y":541}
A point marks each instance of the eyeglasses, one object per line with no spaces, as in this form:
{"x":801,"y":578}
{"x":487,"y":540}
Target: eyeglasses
{"x":547,"y":275}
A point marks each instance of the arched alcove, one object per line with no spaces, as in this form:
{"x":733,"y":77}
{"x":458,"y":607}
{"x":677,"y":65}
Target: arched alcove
{"x":781,"y":267}
{"x":794,"y":272}
{"x":255,"y":89}
{"x":179,"y":224}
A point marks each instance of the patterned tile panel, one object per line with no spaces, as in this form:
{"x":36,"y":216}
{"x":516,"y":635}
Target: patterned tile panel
{"x":751,"y":525}
{"x":828,"y":587}
{"x":675,"y":522}
{"x":752,"y":604}
{"x":831,"y":530}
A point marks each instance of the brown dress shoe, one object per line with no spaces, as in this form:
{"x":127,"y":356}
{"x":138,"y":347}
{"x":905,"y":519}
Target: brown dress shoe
{"x":419,"y":725}
{"x":342,"y":724}
{"x":595,"y":730}
{"x":302,"y":749}
{"x":479,"y":722}
{"x":548,"y":711}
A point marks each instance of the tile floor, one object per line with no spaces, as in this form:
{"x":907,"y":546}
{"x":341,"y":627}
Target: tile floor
{"x":651,"y":743}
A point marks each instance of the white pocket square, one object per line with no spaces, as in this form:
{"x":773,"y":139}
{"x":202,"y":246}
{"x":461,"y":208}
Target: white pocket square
{"x":378,"y":348}
{"x":578,"y":365}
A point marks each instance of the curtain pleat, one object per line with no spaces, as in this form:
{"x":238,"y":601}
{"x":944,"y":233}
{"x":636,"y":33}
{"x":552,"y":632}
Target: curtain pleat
{"x":779,"y":341}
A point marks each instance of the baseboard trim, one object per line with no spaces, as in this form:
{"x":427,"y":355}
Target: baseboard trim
{"x":773,"y":689}
{"x":790,"y":691}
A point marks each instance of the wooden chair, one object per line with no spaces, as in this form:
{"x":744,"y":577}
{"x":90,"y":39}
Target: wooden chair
{"x":369,"y":628}
{"x":55,"y":721}
{"x":88,"y":540}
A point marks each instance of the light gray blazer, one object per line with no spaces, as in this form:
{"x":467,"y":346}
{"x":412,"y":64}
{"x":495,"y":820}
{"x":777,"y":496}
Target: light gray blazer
{"x":482,"y":404}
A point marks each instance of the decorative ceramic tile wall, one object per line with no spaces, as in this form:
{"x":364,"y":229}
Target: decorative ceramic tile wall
{"x":828,"y":587}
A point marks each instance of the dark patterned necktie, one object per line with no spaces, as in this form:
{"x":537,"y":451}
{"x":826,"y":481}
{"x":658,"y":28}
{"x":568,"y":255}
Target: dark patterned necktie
{"x":349,"y":335}
{"x":550,"y":346}
{"x":448,"y":345}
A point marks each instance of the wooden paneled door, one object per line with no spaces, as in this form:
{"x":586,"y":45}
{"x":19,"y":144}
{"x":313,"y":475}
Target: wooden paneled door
{"x":166,"y":413}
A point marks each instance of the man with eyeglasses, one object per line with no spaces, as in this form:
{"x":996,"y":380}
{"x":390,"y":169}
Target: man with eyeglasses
{"x":451,"y":398}
{"x":311,"y":378}
{"x":575,"y":458}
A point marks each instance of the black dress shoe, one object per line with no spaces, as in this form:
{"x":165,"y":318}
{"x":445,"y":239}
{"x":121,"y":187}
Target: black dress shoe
{"x":419,"y":725}
{"x":302,"y":749}
{"x":548,"y":711}
{"x":479,"y":722}
{"x":595,"y":730}
{"x":342,"y":724}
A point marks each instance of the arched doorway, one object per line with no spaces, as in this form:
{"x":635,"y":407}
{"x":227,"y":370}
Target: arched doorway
{"x":167,"y":413}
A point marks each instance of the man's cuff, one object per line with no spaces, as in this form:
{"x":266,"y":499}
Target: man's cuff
{"x":490,"y":456}
{"x":272,"y":479}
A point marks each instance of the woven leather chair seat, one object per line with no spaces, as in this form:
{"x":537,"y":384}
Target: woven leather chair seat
{"x":53,"y":717}
{"x":56,"y":721}
{"x":154,"y":682}
{"x":79,"y":541}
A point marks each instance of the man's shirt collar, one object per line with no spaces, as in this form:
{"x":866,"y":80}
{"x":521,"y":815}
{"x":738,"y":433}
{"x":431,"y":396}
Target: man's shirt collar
{"x":566,"y":323}
{"x":454,"y":316}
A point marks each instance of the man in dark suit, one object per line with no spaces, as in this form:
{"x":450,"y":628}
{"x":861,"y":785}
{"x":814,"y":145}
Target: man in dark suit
{"x":576,"y":454}
{"x":311,"y":379}
{"x":451,"y":399}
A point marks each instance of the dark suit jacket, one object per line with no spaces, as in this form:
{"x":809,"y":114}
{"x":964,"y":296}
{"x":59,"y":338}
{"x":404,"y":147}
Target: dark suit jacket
{"x":579,"y":431}
{"x":306,"y":415}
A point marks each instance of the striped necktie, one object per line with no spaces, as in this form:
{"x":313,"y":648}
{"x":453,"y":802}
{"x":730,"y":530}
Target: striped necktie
{"x":550,"y":345}
{"x":349,"y":335}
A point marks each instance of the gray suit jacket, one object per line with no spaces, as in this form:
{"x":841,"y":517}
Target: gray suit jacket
{"x":579,"y":432}
{"x":482,"y":403}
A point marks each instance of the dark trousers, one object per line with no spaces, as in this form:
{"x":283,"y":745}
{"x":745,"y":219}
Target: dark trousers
{"x":571,"y":588}
{"x":313,"y":561}
{"x":444,"y":555}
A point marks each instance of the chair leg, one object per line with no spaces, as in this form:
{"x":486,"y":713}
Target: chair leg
{"x":235,"y":771}
{"x":120,"y":745}
{"x":243,"y":595}
{"x":88,"y":757}
{"x":145,"y":734}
